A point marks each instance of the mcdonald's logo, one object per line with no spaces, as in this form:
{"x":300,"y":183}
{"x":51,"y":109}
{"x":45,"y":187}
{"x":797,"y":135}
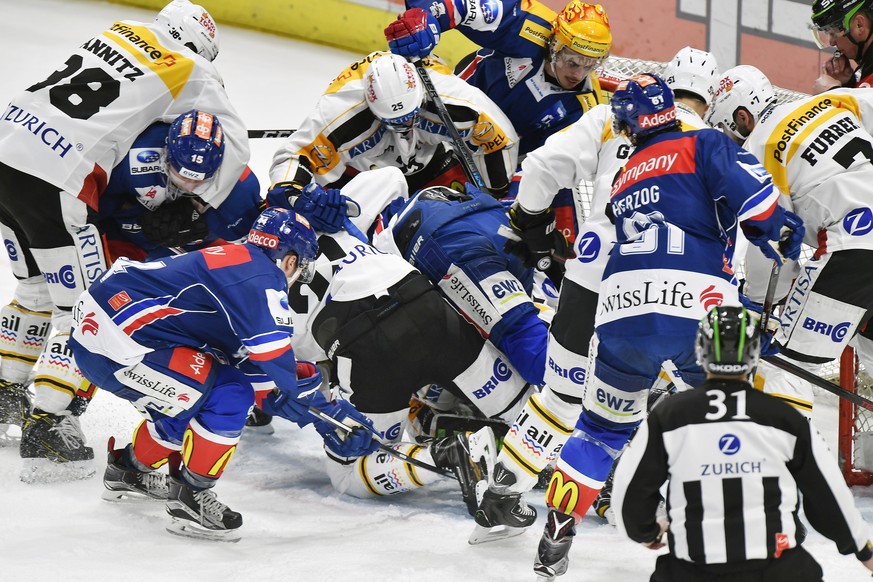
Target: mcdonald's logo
{"x":563,"y":492}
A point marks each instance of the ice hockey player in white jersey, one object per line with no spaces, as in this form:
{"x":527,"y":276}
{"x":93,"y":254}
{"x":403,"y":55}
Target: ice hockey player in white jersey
{"x":819,"y":152}
{"x":60,"y":138}
{"x":365,"y":307}
{"x":737,"y":464}
{"x":183,"y":339}
{"x":588,"y":150}
{"x":376,"y":114}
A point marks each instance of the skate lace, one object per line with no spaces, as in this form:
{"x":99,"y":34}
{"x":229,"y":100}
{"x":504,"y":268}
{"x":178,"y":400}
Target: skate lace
{"x":209,"y":503}
{"x":70,"y":431}
{"x":154,"y":481}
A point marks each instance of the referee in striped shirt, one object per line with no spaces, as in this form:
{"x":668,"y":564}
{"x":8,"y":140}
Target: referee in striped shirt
{"x":737,"y":462}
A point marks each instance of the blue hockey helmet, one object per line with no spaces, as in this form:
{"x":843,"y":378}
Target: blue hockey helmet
{"x":728,"y":341}
{"x":643,"y":105}
{"x":195,"y":150}
{"x":278,"y":232}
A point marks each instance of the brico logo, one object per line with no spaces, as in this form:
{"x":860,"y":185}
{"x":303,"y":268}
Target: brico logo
{"x":65,"y":276}
{"x":500,"y":373}
{"x":656,"y":119}
{"x":11,"y":250}
{"x":710,"y":298}
{"x":837,"y":332}
{"x":576,"y":375}
{"x":263,"y":239}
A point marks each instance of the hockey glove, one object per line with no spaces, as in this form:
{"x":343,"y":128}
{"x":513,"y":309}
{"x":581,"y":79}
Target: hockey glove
{"x":790,"y":238}
{"x":537,"y":238}
{"x":769,"y":346}
{"x":174,"y":224}
{"x":358,"y":442}
{"x":773,"y":322}
{"x":288,"y":405}
{"x":414,"y":34}
{"x":280,"y":194}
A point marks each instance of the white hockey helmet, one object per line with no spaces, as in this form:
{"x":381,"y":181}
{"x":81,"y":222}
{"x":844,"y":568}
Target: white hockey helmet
{"x":742,"y":86}
{"x":393,"y":91}
{"x":191,"y":25}
{"x":693,"y":70}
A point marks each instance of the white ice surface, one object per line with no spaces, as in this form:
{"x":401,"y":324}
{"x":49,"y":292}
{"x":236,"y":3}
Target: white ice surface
{"x":296,"y":528}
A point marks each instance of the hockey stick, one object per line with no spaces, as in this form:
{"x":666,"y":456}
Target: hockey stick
{"x":259,"y":133}
{"x":457,"y":141}
{"x":820,"y":382}
{"x":383,"y":447}
{"x":767,"y":307}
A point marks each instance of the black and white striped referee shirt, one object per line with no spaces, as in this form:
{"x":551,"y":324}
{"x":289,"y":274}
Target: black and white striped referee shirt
{"x":737,"y":461}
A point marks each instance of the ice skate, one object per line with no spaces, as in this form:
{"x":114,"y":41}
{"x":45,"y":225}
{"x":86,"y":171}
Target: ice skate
{"x":553,"y":552}
{"x":469,"y":456}
{"x":53,"y":449}
{"x":501,"y":513}
{"x":14,"y":403}
{"x":200,"y":515}
{"x":259,"y":422}
{"x":125,"y":483}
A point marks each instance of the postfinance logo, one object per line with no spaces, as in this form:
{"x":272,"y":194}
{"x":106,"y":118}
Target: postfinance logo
{"x":171,"y":67}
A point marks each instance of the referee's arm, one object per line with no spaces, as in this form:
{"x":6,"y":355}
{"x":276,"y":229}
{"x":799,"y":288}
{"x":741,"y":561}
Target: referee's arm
{"x":641,"y":471}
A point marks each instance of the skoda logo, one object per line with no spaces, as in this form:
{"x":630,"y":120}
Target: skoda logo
{"x":858,"y":222}
{"x":729,"y":444}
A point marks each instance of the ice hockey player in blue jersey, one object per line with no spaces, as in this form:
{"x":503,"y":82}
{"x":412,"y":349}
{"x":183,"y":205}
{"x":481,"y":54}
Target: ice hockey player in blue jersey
{"x":536,"y":65}
{"x":151,"y":201}
{"x":676,"y":206}
{"x":183,"y":339}
{"x":453,"y":238}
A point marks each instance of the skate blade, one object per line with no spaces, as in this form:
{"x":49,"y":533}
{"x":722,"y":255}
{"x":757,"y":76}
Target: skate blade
{"x":189,"y":529}
{"x":35,"y":471}
{"x":264,"y":430}
{"x":483,"y":535}
{"x":10,"y":435}
{"x":128,"y":497}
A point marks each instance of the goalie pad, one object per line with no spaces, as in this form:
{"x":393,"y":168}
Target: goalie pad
{"x":815,"y":326}
{"x":536,"y":437}
{"x":786,"y":386}
{"x":379,"y":474}
{"x":23,"y":333}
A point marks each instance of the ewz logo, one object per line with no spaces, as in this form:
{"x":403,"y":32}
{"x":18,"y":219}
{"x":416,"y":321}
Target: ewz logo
{"x":837,"y":332}
{"x":501,"y":373}
{"x":589,"y":247}
{"x":858,"y":222}
{"x":729,"y":444}
{"x":65,"y":276}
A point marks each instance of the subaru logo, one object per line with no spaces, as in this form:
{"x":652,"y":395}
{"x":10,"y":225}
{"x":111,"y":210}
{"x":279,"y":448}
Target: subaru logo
{"x":148,"y":156}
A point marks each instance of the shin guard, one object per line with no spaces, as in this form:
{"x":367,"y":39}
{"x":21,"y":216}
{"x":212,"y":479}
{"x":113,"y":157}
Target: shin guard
{"x":148,"y":448}
{"x":205,"y":453}
{"x":58,"y":379}
{"x":380,"y":474}
{"x":23,"y":333}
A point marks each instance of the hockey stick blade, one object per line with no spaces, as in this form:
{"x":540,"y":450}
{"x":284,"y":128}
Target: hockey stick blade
{"x":820,"y":382}
{"x":268,"y":133}
{"x":382,"y":447}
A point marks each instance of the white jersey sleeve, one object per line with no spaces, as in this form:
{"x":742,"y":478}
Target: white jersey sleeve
{"x":73,"y":126}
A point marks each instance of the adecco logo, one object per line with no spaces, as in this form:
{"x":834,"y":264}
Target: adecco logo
{"x":263,"y":239}
{"x":656,"y":119}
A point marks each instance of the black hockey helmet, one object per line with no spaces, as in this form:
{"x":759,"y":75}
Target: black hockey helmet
{"x":728,"y":341}
{"x":832,"y":17}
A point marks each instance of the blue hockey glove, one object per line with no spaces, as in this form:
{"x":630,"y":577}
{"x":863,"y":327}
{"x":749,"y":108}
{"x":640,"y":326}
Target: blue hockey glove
{"x":773,"y":322}
{"x":279,"y":195}
{"x":769,"y":346}
{"x":414,"y":34}
{"x":327,"y":210}
{"x":357,"y":443}
{"x":786,"y":244}
{"x":287,"y":405}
